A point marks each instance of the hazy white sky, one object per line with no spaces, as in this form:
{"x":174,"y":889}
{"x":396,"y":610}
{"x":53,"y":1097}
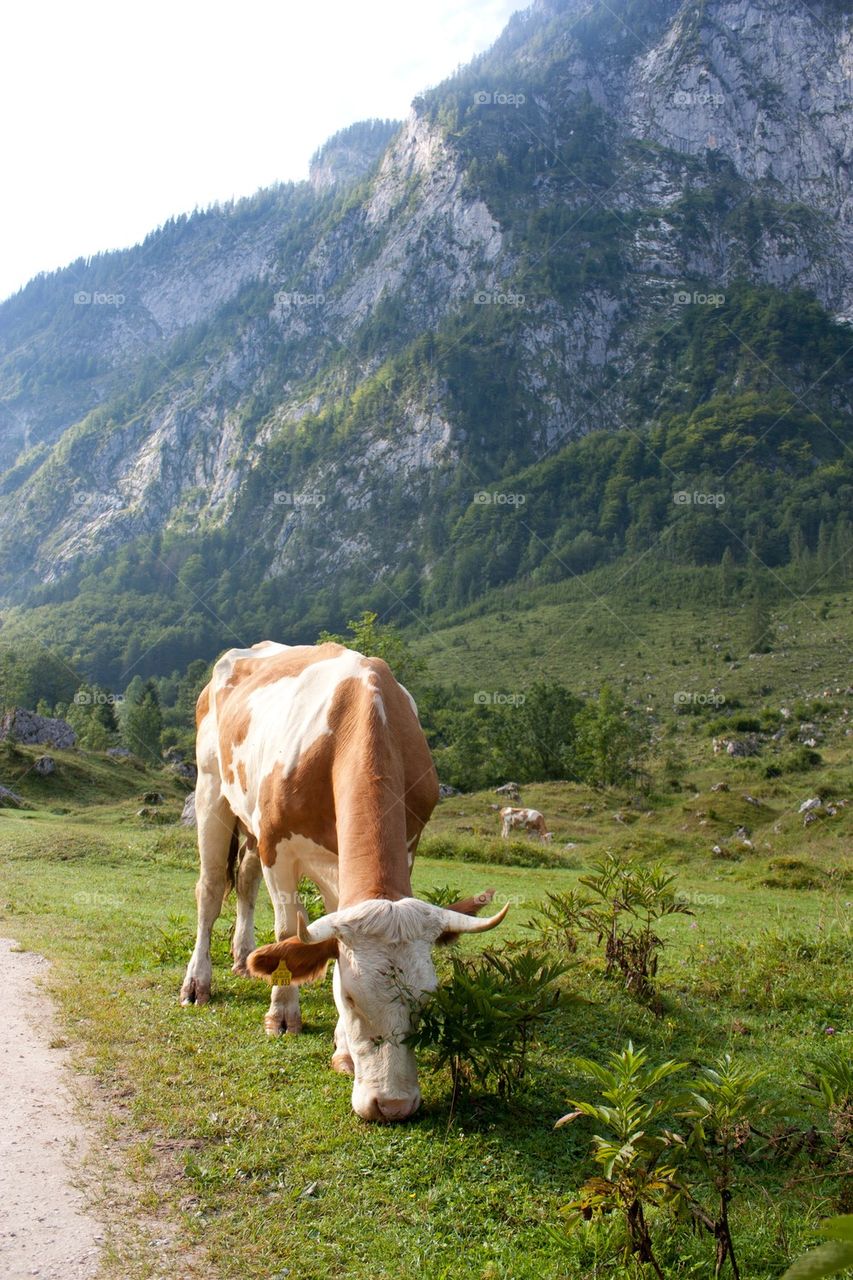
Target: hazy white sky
{"x":117,"y":115}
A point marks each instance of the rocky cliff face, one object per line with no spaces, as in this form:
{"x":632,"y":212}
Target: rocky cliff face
{"x":442,"y":302}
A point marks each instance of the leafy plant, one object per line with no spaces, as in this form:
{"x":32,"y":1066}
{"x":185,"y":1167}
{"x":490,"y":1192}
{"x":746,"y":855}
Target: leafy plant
{"x":480,"y":1022}
{"x":625,"y":902}
{"x":560,"y":917}
{"x":831,"y":1080}
{"x":633,"y":1179}
{"x":720,"y":1112}
{"x":443,"y":895}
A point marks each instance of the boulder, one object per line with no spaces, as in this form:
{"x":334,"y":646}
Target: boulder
{"x":10,"y":799}
{"x":808,"y":805}
{"x":153,"y":797}
{"x":511,"y":790}
{"x":45,"y":766}
{"x":188,"y":818}
{"x":749,"y":745}
{"x":188,"y":772}
{"x":33,"y":730}
{"x":149,"y":814}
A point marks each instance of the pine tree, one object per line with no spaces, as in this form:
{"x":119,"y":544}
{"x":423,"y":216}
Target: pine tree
{"x":142,"y":723}
{"x":759,"y":619}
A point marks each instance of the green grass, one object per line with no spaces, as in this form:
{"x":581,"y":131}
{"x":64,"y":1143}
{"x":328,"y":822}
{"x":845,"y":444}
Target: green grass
{"x":224,"y":1131}
{"x":652,"y":640}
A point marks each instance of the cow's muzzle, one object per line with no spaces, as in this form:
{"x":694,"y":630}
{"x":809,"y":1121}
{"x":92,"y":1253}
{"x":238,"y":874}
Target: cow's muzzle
{"x":387,"y":1110}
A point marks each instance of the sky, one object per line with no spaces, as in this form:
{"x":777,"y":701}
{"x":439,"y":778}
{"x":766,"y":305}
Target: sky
{"x":119,"y":114}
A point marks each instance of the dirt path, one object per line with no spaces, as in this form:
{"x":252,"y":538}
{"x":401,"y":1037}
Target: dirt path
{"x":45,"y":1227}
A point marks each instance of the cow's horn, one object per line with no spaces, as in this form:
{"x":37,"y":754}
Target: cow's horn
{"x":472,"y":924}
{"x":320,"y":931}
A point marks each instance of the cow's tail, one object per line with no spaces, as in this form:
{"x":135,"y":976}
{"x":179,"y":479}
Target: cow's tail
{"x":236,"y":853}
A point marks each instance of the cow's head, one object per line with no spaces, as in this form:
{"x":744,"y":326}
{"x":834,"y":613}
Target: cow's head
{"x":384,"y":972}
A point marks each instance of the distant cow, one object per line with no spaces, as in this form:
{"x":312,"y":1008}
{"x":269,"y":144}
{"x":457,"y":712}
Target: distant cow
{"x":316,"y":756}
{"x":523,"y":820}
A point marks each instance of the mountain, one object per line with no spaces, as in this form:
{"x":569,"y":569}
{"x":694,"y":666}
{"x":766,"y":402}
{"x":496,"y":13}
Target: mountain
{"x":591,"y":299}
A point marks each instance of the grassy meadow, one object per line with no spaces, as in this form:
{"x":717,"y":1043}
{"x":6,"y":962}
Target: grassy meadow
{"x":227,"y":1154}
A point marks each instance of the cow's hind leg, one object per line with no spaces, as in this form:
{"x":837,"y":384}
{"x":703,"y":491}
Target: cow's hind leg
{"x":215,"y":831}
{"x":248,"y":879}
{"x":280,"y":878}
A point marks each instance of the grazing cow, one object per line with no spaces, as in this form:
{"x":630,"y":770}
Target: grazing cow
{"x":315,"y":755}
{"x":523,"y":820}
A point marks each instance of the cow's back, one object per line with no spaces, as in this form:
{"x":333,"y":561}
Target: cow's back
{"x":295,"y":732}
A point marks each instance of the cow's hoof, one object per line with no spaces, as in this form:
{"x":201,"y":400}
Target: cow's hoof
{"x":239,"y":967}
{"x":343,"y":1062}
{"x":275,"y":1026}
{"x":194,"y":992}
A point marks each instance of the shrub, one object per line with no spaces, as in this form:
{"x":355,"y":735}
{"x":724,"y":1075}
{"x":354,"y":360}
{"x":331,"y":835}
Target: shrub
{"x":479,"y":1022}
{"x":625,"y":902}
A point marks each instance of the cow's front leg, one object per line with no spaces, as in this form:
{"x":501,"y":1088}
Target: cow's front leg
{"x":341,"y":1058}
{"x":283,"y":1014}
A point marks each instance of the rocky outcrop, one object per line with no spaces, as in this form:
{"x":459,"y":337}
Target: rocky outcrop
{"x":33,"y":730}
{"x":307,"y":292}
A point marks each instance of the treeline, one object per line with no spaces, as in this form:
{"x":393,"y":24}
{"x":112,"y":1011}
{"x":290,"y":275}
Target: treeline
{"x":541,"y":732}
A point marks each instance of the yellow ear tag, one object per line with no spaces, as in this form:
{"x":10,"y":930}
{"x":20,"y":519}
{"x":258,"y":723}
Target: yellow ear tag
{"x":280,"y":977}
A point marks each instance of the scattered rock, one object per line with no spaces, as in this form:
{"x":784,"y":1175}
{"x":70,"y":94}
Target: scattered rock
{"x":10,"y":799}
{"x":45,"y":766}
{"x":34,"y":730}
{"x":119,"y":753}
{"x":188,"y":818}
{"x":153,"y":797}
{"x":150,"y":814}
{"x":720,"y":786}
{"x":808,"y":805}
{"x":751,"y":800}
{"x":743,"y":833}
{"x":810,"y":817}
{"x":445,"y":791}
{"x":511,"y":790}
{"x":749,"y":745}
{"x":186,"y":771}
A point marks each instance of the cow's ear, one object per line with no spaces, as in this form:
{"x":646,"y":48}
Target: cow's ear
{"x":292,"y":961}
{"x":466,"y":907}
